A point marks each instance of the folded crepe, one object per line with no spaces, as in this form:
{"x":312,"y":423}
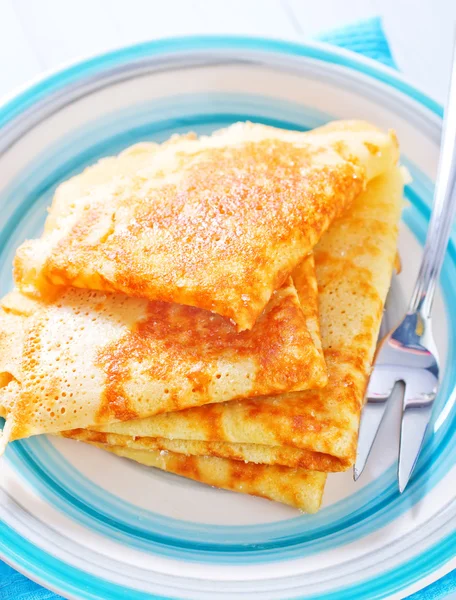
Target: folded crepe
{"x":314,"y":429}
{"x":259,"y":454}
{"x":216,"y":222}
{"x":296,"y":487}
{"x":85,"y":358}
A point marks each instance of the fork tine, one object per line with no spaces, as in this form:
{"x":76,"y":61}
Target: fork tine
{"x":379,"y":390}
{"x":415,"y":420}
{"x":371,"y":419}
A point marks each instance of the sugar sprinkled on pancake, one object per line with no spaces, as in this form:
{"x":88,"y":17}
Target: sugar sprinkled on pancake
{"x":217,"y":222}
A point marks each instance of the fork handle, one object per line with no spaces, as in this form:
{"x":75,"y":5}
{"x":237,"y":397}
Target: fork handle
{"x":443,"y":211}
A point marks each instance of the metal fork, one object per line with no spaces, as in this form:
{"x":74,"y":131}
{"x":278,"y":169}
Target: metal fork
{"x":408,"y":353}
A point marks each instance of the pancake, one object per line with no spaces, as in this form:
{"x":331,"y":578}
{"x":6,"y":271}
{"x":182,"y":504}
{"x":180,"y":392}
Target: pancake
{"x":260,"y":454}
{"x":85,"y":358}
{"x":125,"y":164}
{"x":216,"y":222}
{"x":295,"y":487}
{"x":314,"y":429}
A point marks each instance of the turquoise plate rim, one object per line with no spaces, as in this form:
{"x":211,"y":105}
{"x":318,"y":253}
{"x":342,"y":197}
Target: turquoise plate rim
{"x":51,"y":571}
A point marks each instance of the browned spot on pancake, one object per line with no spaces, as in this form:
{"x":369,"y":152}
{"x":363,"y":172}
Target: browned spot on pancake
{"x":115,"y":402}
{"x":255,"y":409}
{"x":115,"y":361}
{"x":244,"y":473}
{"x":231,"y":451}
{"x":300,"y":422}
{"x":19,"y":273}
{"x":174,"y":401}
{"x":397,"y":263}
{"x":247,"y":477}
{"x":317,"y":461}
{"x":340,"y":147}
{"x":333,"y":269}
{"x":347,"y":363}
{"x":210,"y":419}
{"x":67,"y":273}
{"x":5,"y":378}
{"x":289,"y":419}
{"x":200,"y":381}
{"x":188,"y":466}
{"x":373,"y":148}
{"x":97,"y":437}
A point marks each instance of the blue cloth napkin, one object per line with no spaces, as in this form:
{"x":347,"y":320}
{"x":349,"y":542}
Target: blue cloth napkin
{"x":367,"y":38}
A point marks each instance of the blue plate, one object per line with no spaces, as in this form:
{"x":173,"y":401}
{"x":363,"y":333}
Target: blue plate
{"x":90,"y":525}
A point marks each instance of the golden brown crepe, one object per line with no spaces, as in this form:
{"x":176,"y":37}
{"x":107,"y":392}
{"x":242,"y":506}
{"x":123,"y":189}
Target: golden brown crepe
{"x":217,"y":222}
{"x":296,"y":487}
{"x":315,"y":429}
{"x":86,"y":357}
{"x":260,"y":454}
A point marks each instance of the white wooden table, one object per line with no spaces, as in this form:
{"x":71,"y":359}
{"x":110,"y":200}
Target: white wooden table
{"x":41,"y":35}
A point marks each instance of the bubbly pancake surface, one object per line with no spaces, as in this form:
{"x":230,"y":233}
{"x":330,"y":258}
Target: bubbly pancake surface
{"x":217,"y":222}
{"x":314,"y":429}
{"x":87,"y":357}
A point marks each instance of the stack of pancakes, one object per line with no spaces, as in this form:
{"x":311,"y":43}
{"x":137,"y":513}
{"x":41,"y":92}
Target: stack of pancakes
{"x":210,"y":306}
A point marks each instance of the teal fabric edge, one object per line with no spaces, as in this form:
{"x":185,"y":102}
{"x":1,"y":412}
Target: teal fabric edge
{"x":366,"y":38}
{"x":445,"y":587}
